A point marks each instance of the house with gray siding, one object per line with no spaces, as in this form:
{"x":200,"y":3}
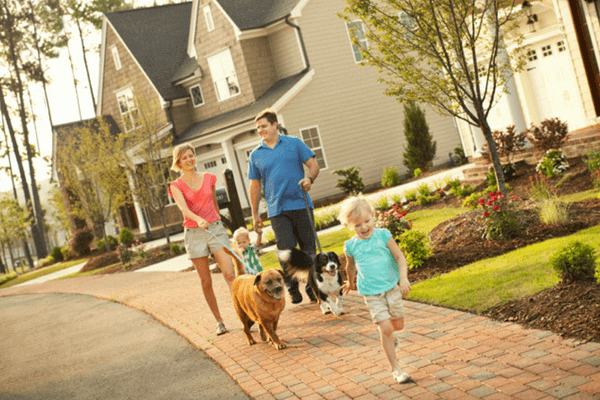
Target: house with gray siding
{"x":212,"y":65}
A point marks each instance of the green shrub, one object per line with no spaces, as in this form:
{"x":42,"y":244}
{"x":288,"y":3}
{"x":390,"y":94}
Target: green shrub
{"x":427,"y":199}
{"x":508,"y":170}
{"x":126,"y":237}
{"x":57,"y":254}
{"x":352,"y":184}
{"x":80,"y":244}
{"x":552,"y":164}
{"x":575,"y":262}
{"x":423,"y":189}
{"x":410,"y":195}
{"x":420,"y":147}
{"x":101,"y":261}
{"x":500,"y":217}
{"x":46,"y":261}
{"x":391,"y":177}
{"x":553,"y":211}
{"x":459,"y":157}
{"x":112,"y":242}
{"x":461,"y":191}
{"x":381,"y":203}
{"x":415,"y":247}
{"x":396,"y":198}
{"x":66,"y":252}
{"x":539,"y":189}
{"x":175,"y":249}
{"x":417,"y":172}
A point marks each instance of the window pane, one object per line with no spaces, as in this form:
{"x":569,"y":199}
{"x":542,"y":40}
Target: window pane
{"x":320,"y":158}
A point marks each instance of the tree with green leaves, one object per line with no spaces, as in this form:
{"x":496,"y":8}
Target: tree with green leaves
{"x":14,"y":221}
{"x":449,"y":54}
{"x":419,"y":150}
{"x":148,"y":157}
{"x":89,"y":159}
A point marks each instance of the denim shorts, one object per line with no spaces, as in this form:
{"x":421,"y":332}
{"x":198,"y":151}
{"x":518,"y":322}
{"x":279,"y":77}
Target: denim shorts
{"x":200,"y":243}
{"x":386,"y":305}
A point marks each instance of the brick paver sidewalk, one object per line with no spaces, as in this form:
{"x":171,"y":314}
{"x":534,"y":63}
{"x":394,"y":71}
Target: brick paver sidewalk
{"x":450,"y":354}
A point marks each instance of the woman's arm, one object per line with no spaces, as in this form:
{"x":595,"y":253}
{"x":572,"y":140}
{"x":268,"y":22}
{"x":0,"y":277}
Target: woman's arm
{"x":180,"y":200}
{"x":402,"y":265}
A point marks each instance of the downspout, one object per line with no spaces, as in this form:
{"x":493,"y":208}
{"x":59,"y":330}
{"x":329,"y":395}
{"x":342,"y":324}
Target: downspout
{"x":301,"y":42}
{"x":170,"y":119}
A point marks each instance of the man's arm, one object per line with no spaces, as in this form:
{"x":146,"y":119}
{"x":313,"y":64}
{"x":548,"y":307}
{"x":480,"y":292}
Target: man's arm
{"x":254,"y":202}
{"x":313,"y":172}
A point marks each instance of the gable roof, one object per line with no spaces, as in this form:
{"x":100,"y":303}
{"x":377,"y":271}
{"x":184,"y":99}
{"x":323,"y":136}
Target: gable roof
{"x":253,"y":14}
{"x":157,"y":38}
{"x":244,"y":114}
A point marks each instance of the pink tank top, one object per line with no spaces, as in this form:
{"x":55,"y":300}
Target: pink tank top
{"x":200,"y":201}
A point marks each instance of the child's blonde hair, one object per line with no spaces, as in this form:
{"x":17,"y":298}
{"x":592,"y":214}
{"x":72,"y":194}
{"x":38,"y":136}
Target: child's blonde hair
{"x":353,"y":207}
{"x":239,"y":232}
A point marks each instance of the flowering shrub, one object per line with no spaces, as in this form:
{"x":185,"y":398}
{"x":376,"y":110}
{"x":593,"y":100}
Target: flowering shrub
{"x":394,"y":221}
{"x":158,"y":254}
{"x":137,"y":249}
{"x":499,"y":216}
{"x":552,"y":164}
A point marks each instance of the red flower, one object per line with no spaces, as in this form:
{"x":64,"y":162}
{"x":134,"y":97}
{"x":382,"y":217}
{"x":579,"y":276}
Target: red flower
{"x":481,"y":201}
{"x":489,"y":203}
{"x":486,"y":214}
{"x":496,"y":207}
{"x":492,"y":193}
{"x":502,"y":196}
{"x":403,"y":214}
{"x":498,"y":192}
{"x":515,"y":198}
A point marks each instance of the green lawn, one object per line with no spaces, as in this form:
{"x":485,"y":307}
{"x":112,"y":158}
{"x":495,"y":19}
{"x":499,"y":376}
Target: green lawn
{"x":41,"y":272}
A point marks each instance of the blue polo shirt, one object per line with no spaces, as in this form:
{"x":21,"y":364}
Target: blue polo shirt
{"x":281,"y":168}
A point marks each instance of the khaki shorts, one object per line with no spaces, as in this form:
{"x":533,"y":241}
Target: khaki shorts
{"x":387,"y":305}
{"x":200,"y":243}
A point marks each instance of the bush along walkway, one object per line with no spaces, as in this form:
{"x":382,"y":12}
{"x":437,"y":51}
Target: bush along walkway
{"x":449,"y":354}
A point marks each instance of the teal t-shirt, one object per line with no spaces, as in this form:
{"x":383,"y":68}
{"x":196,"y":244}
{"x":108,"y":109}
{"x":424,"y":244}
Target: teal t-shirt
{"x":253,"y":265}
{"x":376,"y":269}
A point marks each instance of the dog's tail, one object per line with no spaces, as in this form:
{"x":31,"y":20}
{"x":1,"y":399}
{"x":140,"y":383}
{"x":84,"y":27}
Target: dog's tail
{"x":297,"y":263}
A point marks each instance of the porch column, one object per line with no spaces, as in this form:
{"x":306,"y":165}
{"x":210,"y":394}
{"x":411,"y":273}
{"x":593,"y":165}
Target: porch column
{"x":136,"y":205}
{"x":240,"y":182}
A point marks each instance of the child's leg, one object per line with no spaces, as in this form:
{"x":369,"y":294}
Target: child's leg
{"x":397,"y":323}
{"x":386,"y":331}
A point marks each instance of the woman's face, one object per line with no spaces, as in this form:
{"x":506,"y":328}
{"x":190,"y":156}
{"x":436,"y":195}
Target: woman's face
{"x":187,"y":161}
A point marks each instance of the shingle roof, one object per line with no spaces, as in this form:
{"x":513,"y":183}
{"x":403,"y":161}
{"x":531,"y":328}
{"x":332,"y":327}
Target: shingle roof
{"x":240,"y":115}
{"x":158,"y":38}
{"x":251,"y":14}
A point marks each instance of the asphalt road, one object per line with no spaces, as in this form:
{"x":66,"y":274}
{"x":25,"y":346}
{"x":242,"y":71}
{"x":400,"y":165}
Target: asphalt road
{"x":75,"y":347}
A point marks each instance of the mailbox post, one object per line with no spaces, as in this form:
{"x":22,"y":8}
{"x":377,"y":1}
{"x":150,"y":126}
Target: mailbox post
{"x":234,"y":206}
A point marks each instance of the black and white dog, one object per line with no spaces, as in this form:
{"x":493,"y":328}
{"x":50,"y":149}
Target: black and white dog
{"x":323,"y":275}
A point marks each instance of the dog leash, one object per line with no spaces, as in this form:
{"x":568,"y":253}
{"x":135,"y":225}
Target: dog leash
{"x":312,"y":223}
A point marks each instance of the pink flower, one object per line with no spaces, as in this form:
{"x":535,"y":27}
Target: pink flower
{"x":501,"y":196}
{"x":496,"y":207}
{"x":486,"y":214}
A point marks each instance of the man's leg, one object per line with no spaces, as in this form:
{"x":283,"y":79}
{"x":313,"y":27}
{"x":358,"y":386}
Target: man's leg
{"x":284,"y":236}
{"x":304,"y":231}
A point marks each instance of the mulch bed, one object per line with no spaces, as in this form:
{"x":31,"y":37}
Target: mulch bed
{"x":571,"y":311}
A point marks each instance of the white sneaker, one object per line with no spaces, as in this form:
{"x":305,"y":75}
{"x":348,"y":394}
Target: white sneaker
{"x":401,"y":376}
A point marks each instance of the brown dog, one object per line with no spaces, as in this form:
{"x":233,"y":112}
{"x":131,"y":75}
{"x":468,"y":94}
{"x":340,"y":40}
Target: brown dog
{"x":261,"y":299}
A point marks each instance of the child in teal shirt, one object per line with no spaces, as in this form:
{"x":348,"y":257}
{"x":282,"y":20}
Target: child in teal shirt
{"x":249,"y":251}
{"x":382,"y":274}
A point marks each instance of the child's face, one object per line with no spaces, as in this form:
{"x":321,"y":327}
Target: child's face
{"x":363,"y":225}
{"x":242,"y":241}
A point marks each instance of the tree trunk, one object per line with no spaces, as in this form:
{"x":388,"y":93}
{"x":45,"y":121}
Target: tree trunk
{"x":165,"y":228}
{"x":85,"y":63}
{"x":37,"y":236}
{"x":487,"y":133}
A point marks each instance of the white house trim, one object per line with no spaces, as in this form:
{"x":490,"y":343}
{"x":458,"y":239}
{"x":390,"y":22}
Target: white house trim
{"x":191,"y":48}
{"x":294,"y":90}
{"x":236,"y":29}
{"x":297,"y":10}
{"x":260,"y":32}
{"x":101,"y":67}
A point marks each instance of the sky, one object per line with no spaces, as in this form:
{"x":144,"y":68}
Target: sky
{"x":63,"y":99}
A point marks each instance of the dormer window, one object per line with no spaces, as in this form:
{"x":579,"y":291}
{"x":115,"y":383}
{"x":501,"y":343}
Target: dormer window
{"x":197,"y":97}
{"x":116,"y":58}
{"x":210,"y":25}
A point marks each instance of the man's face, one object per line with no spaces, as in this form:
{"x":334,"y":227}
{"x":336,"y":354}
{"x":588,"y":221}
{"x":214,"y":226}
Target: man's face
{"x":267,"y":131}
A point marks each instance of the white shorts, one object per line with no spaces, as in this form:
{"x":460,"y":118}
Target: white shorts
{"x":386,"y":305}
{"x":200,"y":243}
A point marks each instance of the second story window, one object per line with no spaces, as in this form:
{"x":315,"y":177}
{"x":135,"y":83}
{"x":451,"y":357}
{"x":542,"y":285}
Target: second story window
{"x":116,"y":58}
{"x":223,"y":75}
{"x":356,"y":32}
{"x":128,"y":109}
{"x":210,"y":25}
{"x":196,"y":94}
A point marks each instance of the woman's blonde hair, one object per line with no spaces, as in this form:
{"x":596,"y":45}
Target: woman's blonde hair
{"x":178,"y":152}
{"x":353,"y":207}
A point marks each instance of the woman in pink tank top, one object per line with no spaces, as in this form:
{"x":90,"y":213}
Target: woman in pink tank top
{"x":195,"y":195}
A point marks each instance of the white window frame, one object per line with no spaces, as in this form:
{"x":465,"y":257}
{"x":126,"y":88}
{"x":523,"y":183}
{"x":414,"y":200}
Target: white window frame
{"x":364,"y":42}
{"x":126,"y":95}
{"x":210,"y":23}
{"x":407,"y":22}
{"x":320,"y":147}
{"x":222,"y":71}
{"x":192,"y":95}
{"x":115,"y":54}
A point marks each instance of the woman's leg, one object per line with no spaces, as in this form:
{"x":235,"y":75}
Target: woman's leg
{"x":226,"y":264}
{"x":201,"y":265}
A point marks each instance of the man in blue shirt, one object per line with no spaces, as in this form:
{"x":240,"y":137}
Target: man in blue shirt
{"x":278,"y":161}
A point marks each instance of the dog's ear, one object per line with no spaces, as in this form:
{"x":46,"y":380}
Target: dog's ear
{"x":257,"y":279}
{"x":335,"y":258}
{"x":281,"y":272}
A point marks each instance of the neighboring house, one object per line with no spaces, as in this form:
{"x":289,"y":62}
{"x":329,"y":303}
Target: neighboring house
{"x":561,"y":78}
{"x":213,"y":65}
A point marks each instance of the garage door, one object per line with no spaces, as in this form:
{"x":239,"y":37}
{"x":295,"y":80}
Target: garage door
{"x":553,"y":83}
